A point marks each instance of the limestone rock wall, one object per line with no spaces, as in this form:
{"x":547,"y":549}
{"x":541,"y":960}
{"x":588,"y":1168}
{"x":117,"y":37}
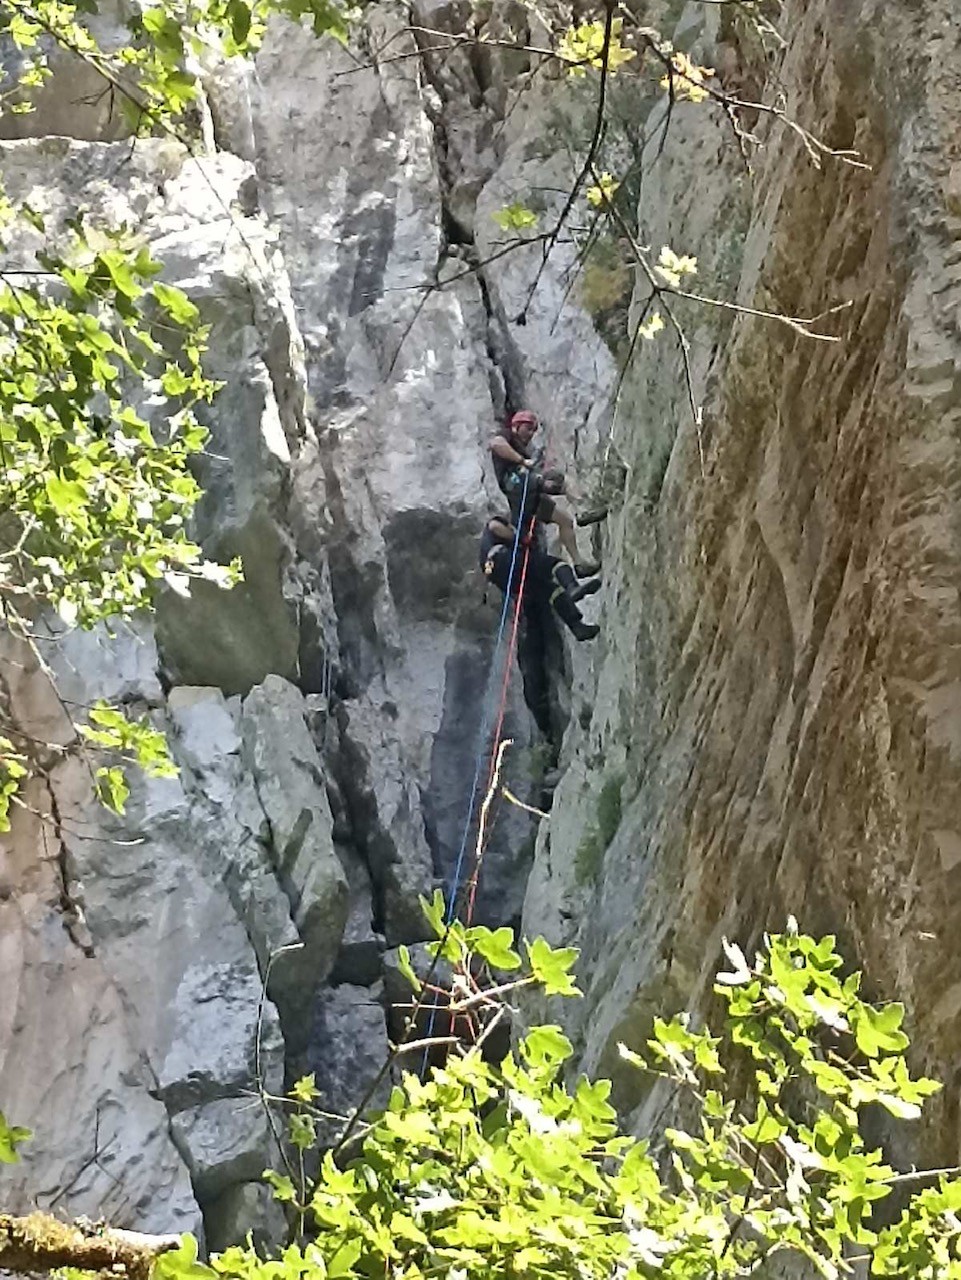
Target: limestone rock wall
{"x":770,"y":725}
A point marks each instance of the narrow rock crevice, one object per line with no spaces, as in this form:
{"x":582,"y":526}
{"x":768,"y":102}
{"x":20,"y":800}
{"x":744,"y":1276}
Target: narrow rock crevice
{"x":71,"y":897}
{"x":541,"y":651}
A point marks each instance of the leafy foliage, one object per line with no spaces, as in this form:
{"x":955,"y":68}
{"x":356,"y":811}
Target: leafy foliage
{"x":518,"y":1167}
{"x":100,"y":501}
{"x":136,"y":742}
{"x":151,"y":72}
{"x":686,"y":79}
{"x":96,"y":498}
{"x":101,"y":364}
{"x":602,"y":191}
{"x":13,"y":769}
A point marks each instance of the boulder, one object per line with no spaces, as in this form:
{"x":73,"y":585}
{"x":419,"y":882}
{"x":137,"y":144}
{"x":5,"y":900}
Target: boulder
{"x":281,"y":756}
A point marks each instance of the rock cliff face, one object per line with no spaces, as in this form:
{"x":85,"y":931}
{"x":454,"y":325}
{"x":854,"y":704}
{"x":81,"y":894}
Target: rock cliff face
{"x":769,"y":723}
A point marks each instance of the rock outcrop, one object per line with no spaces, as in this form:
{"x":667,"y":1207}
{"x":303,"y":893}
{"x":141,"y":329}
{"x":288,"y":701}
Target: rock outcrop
{"x":770,"y":725}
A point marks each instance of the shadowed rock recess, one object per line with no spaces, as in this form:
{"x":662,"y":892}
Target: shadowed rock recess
{"x":770,"y":721}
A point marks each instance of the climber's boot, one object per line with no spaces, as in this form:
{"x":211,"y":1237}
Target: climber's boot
{"x":587,"y":568}
{"x":567,"y":610}
{"x":564,"y":577}
{"x":593,"y":515}
{"x":589,"y":588}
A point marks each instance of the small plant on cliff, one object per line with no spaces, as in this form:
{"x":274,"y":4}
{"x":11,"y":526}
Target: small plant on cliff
{"x":598,"y":836}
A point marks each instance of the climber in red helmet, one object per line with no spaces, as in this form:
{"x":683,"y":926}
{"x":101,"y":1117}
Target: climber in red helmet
{"x":512,"y":455}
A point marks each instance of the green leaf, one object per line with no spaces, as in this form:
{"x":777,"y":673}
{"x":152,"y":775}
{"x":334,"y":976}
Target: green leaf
{"x":181,"y":1263}
{"x":342,"y":1263}
{"x":551,"y":968}
{"x":435,"y":911}
{"x":67,"y":497}
{"x":495,"y":946}
{"x":282,"y":1186}
{"x":305,"y":1089}
{"x":898,"y":1107}
{"x":303,"y":1131}
{"x":515,"y":217}
{"x":546,"y":1047}
{"x":766,"y":1127}
{"x":239,"y":16}
{"x":176,"y":303}
{"x":406,"y":968}
{"x":877,"y":1030}
{"x":112,"y":788}
{"x":11,"y":1137}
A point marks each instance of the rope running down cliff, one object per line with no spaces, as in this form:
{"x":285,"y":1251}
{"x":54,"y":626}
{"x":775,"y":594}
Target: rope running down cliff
{"x":486,"y":737}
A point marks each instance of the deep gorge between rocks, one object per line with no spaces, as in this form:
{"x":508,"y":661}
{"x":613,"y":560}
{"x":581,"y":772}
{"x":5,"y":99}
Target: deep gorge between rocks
{"x":772,"y":712}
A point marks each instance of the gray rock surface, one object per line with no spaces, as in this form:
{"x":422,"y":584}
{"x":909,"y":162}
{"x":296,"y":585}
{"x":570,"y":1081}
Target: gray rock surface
{"x":345,"y":1052}
{"x":283,"y":761}
{"x":224,"y":1144}
{"x":246,"y":1208}
{"x":777,"y":686}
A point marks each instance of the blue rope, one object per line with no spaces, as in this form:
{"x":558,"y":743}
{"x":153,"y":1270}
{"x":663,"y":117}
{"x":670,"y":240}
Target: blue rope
{"x":482,"y":745}
{"x":485,"y":724}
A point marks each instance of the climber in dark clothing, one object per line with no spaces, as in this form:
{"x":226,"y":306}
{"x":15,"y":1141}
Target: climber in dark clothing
{"x":549,"y":580}
{"x":512,"y":455}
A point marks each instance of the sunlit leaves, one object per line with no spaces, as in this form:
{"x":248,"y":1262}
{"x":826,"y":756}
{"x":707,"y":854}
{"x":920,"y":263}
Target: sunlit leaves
{"x":602,"y":191}
{"x":305,"y":1089}
{"x":515,"y":217}
{"x":101,"y":502}
{"x":671,"y":267}
{"x":13,"y":769}
{"x":109,"y":727}
{"x":686,"y":79}
{"x":182,"y":1263}
{"x":517,"y":1167}
{"x":583,"y":47}
{"x":112,"y":788}
{"x":100,"y":361}
{"x":135,"y":741}
{"x":551,"y":967}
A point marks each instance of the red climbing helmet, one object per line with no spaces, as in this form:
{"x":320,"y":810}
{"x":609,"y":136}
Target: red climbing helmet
{"x":523,"y":417}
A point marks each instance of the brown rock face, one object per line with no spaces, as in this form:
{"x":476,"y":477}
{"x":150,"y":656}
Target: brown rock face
{"x":779,"y":700}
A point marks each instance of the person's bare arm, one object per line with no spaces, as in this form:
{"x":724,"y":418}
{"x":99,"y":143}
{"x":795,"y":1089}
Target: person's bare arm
{"x":502,"y":529}
{"x":506,"y":451}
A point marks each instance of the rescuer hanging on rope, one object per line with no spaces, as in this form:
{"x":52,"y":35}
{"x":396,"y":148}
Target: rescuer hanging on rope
{"x":549,"y":580}
{"x":512,"y":455}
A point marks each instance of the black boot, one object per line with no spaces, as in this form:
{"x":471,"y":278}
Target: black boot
{"x":570,"y":615}
{"x":585,"y":589}
{"x":565,"y":577}
{"x":592,"y":516}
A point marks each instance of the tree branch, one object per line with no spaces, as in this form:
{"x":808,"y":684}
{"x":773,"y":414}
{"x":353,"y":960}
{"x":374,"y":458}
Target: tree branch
{"x":39,"y":1243}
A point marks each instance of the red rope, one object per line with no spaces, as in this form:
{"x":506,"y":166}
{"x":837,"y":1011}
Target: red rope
{"x":499,"y":724}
